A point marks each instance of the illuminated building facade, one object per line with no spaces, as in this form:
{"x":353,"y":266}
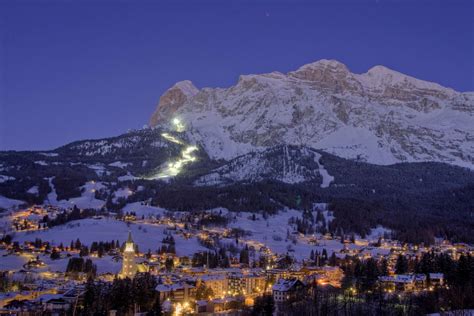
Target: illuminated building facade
{"x":129,"y":266}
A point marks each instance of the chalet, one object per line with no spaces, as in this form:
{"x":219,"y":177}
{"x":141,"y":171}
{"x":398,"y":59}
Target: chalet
{"x":323,"y":275}
{"x":420,"y":281}
{"x":21,"y":308}
{"x":436,"y":279}
{"x":287,"y":290}
{"x":57,"y":306}
{"x":176,"y":292}
{"x":400,"y":282}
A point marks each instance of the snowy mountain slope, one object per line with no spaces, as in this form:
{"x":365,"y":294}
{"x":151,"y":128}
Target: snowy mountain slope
{"x":129,"y":144}
{"x":381,"y":116}
{"x":288,"y":164}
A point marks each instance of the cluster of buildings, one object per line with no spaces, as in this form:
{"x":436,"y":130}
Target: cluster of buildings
{"x":31,"y":219}
{"x":48,"y":301}
{"x":411,"y":282}
{"x":196,"y":289}
{"x":214,"y":290}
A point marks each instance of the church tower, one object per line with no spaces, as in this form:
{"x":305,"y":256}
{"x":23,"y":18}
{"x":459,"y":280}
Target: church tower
{"x":129,"y":266}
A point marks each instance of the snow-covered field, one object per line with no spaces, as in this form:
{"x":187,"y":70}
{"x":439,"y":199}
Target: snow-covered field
{"x":86,"y":200}
{"x":273,"y":232}
{"x":143,"y":210}
{"x":7,"y":203}
{"x":14,"y":262}
{"x":127,"y":177}
{"x":146,"y":236}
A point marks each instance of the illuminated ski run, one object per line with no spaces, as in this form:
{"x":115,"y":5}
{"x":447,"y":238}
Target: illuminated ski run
{"x":173,"y":168}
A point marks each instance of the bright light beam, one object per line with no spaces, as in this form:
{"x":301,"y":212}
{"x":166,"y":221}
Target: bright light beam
{"x":178,"y":125}
{"x":173,"y":168}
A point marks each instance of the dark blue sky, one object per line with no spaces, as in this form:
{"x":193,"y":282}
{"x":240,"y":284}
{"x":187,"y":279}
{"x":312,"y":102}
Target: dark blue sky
{"x":71,"y":70}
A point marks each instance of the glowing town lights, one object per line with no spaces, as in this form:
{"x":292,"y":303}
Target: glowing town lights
{"x":129,"y":248}
{"x":182,"y":309}
{"x":178,"y":309}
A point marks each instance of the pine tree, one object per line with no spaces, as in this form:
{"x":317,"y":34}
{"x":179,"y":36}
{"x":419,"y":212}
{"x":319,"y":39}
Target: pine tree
{"x":55,"y":254}
{"x":401,"y":266}
{"x":78,"y":244}
{"x":156,"y":311}
{"x":384,"y":267}
{"x":244,"y":255}
{"x":90,"y":297}
{"x":333,"y":259}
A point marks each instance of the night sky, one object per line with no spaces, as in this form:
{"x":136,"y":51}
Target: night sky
{"x":71,"y":71}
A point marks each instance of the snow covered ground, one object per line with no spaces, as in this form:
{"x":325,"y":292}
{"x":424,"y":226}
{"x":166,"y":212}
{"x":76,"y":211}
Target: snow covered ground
{"x":4,"y":178}
{"x":86,"y":200}
{"x":7,"y":203}
{"x":143,"y":210}
{"x":350,"y":115}
{"x":33,"y":190}
{"x":119,"y":164}
{"x":12,"y":262}
{"x":273,"y":231}
{"x":99,"y":169}
{"x":327,"y":178}
{"x":127,"y":177}
{"x":146,"y":236}
{"x":122,"y":193}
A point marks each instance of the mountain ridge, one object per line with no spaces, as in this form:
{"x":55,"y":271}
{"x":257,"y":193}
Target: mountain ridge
{"x":381,"y":116}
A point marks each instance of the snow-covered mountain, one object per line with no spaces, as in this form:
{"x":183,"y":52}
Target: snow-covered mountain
{"x":381,"y":116}
{"x":288,"y":164}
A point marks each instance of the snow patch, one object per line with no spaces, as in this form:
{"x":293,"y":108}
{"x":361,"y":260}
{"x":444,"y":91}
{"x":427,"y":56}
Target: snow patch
{"x":7,"y":203}
{"x":127,"y":177}
{"x":119,"y":164}
{"x":33,"y":190}
{"x":5,"y":178}
{"x":50,"y":154}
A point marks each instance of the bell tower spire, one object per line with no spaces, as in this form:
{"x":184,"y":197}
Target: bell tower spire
{"x":129,"y":266}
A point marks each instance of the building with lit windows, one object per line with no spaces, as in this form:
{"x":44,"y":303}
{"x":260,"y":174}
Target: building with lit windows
{"x":129,"y":266}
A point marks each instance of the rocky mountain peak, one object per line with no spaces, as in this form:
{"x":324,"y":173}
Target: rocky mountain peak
{"x":379,"y":76}
{"x":321,"y":70}
{"x":324,"y":64}
{"x":186,"y":87}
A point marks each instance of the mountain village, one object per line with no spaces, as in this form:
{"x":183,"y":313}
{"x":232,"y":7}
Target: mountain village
{"x":228,"y":275}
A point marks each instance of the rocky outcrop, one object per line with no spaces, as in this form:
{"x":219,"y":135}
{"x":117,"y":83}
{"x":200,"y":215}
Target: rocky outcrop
{"x":172,"y":100}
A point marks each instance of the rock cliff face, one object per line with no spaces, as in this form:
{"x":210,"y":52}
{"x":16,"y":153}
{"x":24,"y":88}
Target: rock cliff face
{"x":381,"y":116}
{"x":172,"y":100}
